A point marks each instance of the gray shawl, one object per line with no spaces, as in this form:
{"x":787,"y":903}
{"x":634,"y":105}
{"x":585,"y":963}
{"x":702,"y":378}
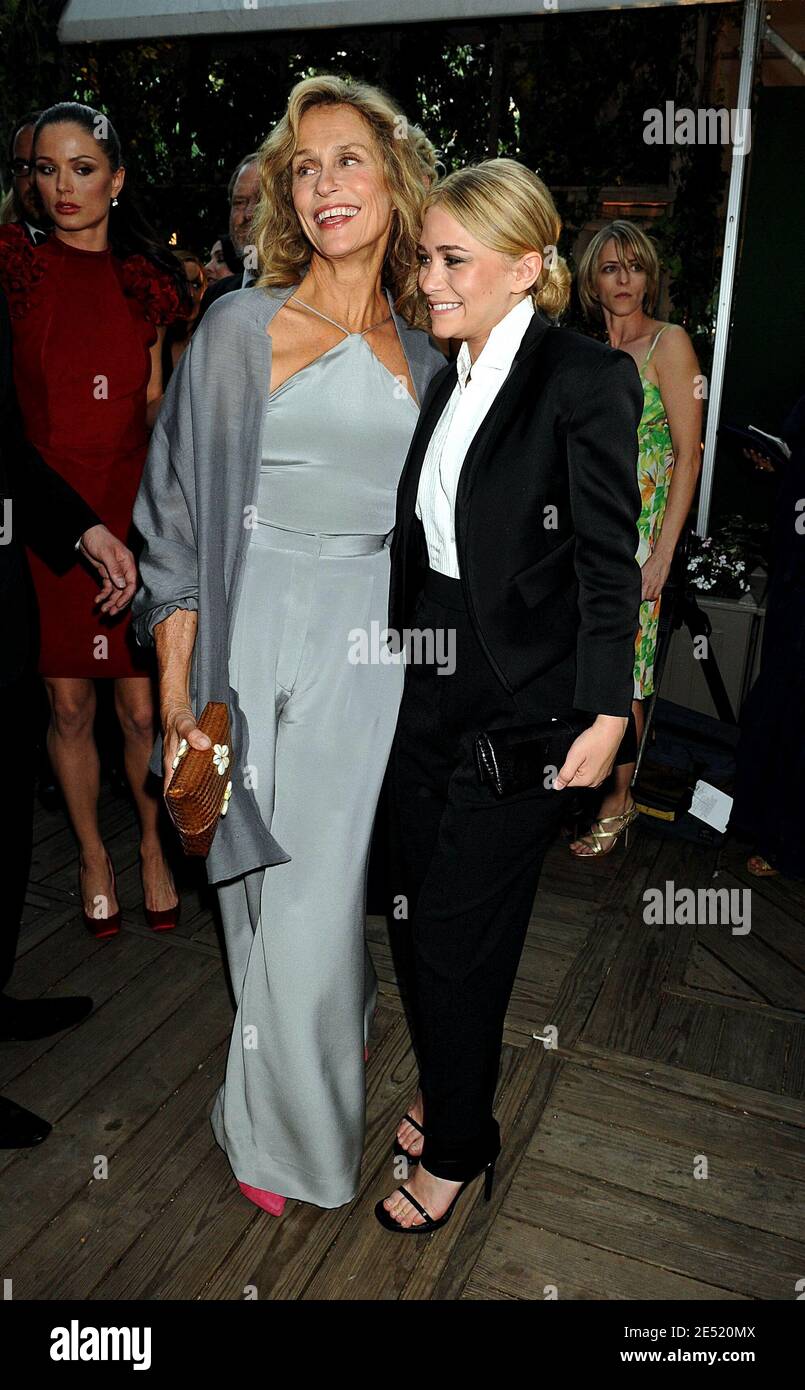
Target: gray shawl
{"x":201,"y":475}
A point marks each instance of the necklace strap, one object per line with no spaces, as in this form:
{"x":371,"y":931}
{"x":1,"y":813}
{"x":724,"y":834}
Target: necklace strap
{"x":327,"y":319}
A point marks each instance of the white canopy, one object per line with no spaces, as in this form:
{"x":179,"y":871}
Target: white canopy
{"x":90,"y":20}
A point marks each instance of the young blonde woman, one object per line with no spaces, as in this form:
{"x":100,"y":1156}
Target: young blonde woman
{"x":516,"y":532}
{"x":266,"y":509}
{"x":618,"y":281}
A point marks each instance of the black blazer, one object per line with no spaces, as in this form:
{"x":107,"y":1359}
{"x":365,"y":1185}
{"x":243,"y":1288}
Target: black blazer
{"x":37,"y":508}
{"x":554,"y":606}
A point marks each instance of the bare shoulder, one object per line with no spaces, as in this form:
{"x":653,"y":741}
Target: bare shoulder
{"x":674,"y":348}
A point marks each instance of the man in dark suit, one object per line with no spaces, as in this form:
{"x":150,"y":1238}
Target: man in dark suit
{"x":244,"y":194}
{"x":37,"y":508}
{"x":24,"y":201}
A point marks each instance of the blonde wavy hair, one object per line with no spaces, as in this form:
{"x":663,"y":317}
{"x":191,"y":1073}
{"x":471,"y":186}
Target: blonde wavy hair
{"x":631,"y":244}
{"x":507,"y":208}
{"x":282,"y":248}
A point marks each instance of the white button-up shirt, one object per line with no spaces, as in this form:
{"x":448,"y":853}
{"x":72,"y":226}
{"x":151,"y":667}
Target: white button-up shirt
{"x":477,"y":386}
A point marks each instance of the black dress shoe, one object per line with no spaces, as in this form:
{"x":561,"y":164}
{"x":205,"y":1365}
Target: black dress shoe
{"x":20,"y":1129}
{"x":21,"y":1020}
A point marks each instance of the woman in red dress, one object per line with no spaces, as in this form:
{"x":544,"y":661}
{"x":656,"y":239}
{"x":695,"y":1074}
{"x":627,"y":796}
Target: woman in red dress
{"x":88,"y":309}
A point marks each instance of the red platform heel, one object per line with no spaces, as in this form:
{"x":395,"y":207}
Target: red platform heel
{"x":164,"y":920}
{"x":100,"y":927}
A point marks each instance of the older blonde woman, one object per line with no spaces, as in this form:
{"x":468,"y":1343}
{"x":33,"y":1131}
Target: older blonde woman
{"x":619,"y":277}
{"x":266,"y":510}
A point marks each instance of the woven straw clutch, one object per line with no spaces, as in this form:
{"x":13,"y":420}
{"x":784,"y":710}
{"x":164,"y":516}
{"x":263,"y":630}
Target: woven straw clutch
{"x":200,"y":789}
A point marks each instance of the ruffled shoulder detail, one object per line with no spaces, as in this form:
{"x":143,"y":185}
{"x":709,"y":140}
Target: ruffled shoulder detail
{"x":20,"y":267}
{"x":153,"y":289}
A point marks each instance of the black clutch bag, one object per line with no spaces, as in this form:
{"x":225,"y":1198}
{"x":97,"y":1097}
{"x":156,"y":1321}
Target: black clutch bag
{"x":524,"y":758}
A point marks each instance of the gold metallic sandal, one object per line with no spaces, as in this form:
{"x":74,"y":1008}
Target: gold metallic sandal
{"x":597,"y":834}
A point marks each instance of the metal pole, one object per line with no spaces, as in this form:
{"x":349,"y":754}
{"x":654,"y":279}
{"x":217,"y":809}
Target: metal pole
{"x":785,"y":48}
{"x":750,"y":35}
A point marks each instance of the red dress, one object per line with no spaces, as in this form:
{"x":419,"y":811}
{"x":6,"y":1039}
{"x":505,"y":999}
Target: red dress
{"x":83,"y":323}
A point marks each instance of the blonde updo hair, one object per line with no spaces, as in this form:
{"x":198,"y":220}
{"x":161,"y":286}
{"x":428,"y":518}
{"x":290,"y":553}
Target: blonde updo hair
{"x":631,"y":244}
{"x":283,"y":250}
{"x":507,"y":208}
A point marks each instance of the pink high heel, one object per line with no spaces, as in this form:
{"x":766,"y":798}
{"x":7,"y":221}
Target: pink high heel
{"x":271,"y":1202}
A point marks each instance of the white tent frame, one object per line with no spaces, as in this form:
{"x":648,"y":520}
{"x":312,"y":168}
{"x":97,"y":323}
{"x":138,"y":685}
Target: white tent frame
{"x":92,"y":20}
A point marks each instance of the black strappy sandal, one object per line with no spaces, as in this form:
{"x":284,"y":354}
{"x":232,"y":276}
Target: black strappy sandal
{"x":388,"y":1222}
{"x":399,"y":1151}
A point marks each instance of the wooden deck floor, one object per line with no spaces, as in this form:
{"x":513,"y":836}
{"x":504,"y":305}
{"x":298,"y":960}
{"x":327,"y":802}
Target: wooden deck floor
{"x":657,"y":1152}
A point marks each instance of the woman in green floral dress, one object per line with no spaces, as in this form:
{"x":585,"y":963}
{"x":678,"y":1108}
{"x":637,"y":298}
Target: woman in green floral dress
{"x":619,"y":278}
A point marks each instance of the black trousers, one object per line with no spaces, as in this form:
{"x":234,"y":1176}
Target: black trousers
{"x":470,"y":865}
{"x":17,"y":705}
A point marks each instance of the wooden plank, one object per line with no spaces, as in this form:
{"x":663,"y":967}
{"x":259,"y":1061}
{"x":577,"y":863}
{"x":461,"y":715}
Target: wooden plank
{"x":49,"y":963}
{"x":39,"y":896}
{"x":684,"y":1032}
{"x":163,"y":979}
{"x":782,"y":932}
{"x":794,"y":1075}
{"x":579,"y":1001}
{"x":649,"y":954}
{"x":518,"y":1262}
{"x":775,"y":979}
{"x":543,"y":966}
{"x":638,"y":1105}
{"x":51,"y":1189}
{"x":785,"y":894}
{"x":174,"y":1225}
{"x":560,"y":920}
{"x":106,"y":972}
{"x":752,"y":1051}
{"x":384,"y":965}
{"x":196,"y":944}
{"x":745,"y":1099}
{"x":777,"y":923}
{"x":41,"y":924}
{"x":713,"y":1250}
{"x":577,"y":881}
{"x":638,"y":1162}
{"x":529,"y":1010}
{"x":207,"y":1214}
{"x":54,"y":860}
{"x":704,"y":971}
{"x":746,"y":1007}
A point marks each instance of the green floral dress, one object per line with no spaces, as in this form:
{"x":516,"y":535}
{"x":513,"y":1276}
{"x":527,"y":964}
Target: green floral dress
{"x":655,"y":465}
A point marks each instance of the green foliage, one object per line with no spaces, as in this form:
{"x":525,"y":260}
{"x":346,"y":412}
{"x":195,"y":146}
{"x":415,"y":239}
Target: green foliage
{"x":563,"y":93}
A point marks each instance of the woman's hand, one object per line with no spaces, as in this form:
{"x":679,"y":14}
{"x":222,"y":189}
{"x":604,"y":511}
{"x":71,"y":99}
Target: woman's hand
{"x":654,"y":575}
{"x":178,"y":723}
{"x":591,"y":755}
{"x":115,"y":564}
